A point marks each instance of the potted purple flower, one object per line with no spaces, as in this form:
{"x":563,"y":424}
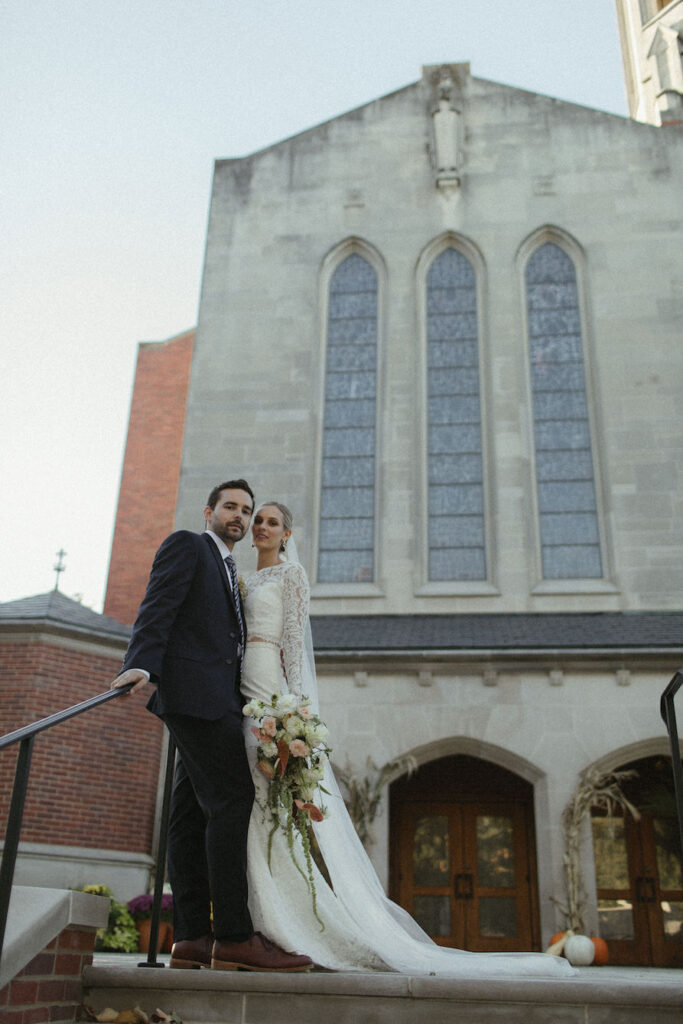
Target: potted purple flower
{"x":140,"y":908}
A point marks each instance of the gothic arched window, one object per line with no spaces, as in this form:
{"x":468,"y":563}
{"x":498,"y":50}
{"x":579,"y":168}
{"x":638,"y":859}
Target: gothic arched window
{"x":567,"y":507}
{"x":347,"y":506}
{"x":457,"y":545}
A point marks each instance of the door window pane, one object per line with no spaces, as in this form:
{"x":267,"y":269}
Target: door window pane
{"x":616,"y":919}
{"x":609,"y":848}
{"x":672,"y":920}
{"x":495,"y":852}
{"x":667,"y":843}
{"x":497,"y":917}
{"x":430,"y":853}
{"x":433,"y":913}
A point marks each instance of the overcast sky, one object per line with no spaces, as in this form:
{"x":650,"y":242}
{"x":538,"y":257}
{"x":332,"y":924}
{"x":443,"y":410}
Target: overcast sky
{"x":112,"y":113}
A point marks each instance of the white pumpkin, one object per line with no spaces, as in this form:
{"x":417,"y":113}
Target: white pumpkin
{"x":579,"y":950}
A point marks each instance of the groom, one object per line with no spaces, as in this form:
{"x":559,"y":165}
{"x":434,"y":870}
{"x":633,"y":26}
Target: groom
{"x":188,"y":639}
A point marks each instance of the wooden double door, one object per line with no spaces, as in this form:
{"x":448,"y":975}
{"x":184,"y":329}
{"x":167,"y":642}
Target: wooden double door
{"x":639,"y":872}
{"x":463,"y":855}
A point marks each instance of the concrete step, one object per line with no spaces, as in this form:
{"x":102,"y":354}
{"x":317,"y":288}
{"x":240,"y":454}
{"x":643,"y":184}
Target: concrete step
{"x":598,"y":995}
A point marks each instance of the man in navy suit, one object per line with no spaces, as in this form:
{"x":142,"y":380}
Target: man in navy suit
{"x":188,"y":640}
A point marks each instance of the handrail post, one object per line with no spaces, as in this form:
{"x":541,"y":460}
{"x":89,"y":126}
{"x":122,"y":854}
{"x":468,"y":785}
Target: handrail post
{"x":16,"y":813}
{"x":162,"y":844}
{"x":668,"y":713}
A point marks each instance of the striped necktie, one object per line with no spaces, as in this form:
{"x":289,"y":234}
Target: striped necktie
{"x":232,"y":573}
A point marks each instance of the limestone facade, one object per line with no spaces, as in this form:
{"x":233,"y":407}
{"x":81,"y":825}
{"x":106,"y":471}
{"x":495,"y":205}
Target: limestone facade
{"x":456,"y":163}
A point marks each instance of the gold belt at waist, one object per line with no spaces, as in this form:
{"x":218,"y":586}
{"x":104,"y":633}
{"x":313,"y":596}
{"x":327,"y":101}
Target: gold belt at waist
{"x":263,"y":640}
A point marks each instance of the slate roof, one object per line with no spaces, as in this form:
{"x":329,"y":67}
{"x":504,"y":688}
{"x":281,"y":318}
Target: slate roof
{"x":405,"y":634}
{"x":57,"y":610}
{"x":521,"y":632}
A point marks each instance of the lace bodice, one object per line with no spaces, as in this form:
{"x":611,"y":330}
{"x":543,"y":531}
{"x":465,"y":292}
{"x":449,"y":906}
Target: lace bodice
{"x":276,"y":607}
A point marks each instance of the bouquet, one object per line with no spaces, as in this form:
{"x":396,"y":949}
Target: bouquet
{"x":291,"y":752}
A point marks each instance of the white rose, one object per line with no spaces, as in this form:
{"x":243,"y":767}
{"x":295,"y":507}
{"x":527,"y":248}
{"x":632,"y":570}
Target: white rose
{"x":317,"y":733}
{"x":294,"y":726}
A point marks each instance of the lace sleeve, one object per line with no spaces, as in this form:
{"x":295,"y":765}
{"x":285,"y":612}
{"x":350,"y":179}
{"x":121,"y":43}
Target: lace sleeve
{"x":295,"y":595}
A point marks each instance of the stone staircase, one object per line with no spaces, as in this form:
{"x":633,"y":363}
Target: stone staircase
{"x":597,"y":995}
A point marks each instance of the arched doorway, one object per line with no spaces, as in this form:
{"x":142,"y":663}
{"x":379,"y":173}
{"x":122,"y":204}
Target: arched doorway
{"x":463,"y":855}
{"x":639,"y":871}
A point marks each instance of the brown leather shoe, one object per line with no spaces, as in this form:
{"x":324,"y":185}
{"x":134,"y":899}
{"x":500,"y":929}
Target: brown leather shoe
{"x":256,"y":954}
{"x":192,"y":953}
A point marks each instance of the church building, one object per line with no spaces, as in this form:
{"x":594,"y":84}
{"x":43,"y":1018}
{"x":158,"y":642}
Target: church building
{"x":444,"y":328}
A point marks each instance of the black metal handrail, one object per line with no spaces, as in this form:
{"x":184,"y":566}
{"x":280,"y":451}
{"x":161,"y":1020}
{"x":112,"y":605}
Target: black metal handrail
{"x":669,"y":715}
{"x":25,"y":737}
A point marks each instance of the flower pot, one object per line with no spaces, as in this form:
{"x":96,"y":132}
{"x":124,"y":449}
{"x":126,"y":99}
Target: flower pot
{"x":144,"y":928}
{"x":168,"y":939}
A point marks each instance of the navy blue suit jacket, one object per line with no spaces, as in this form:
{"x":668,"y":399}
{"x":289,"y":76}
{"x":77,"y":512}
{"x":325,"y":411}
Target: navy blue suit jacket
{"x":187,"y":632}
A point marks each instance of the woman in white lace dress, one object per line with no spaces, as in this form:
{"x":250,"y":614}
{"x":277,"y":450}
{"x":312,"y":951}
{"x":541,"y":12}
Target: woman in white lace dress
{"x":363,"y":930}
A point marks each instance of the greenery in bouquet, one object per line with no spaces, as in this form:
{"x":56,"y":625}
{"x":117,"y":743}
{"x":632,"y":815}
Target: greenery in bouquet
{"x":121,"y":934}
{"x":291,"y":754}
{"x":141,"y":906}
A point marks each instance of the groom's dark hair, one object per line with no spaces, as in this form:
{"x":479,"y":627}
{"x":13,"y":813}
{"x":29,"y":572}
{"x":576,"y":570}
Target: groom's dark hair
{"x":229,"y":485}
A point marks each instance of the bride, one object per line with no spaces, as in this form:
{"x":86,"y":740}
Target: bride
{"x":363,"y":930}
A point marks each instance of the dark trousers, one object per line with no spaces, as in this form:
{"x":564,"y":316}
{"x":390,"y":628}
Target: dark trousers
{"x":212,"y":797}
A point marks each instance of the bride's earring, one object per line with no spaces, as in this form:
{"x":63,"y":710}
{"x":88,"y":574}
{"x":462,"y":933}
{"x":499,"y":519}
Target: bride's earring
{"x":282,"y":546}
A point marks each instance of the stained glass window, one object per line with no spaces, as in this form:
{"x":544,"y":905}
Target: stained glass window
{"x":570,"y":544}
{"x":346,"y":543}
{"x":457,"y":549}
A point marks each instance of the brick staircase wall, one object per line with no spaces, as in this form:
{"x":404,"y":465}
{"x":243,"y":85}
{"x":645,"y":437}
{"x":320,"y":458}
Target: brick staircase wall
{"x":48,"y":988}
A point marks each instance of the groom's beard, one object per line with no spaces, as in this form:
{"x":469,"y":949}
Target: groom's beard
{"x":230,"y":533}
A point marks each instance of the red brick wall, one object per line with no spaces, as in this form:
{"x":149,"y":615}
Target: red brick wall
{"x":151,"y":470}
{"x":94,"y":778}
{"x":49,"y":987}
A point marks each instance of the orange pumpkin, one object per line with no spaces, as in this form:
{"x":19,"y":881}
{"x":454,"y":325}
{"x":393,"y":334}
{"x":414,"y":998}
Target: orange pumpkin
{"x":601,"y":950}
{"x":556,"y":938}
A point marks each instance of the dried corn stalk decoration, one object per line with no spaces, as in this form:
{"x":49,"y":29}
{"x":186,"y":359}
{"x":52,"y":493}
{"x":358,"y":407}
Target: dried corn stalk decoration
{"x":603,"y":791}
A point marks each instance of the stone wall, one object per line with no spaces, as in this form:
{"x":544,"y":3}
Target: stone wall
{"x":531,"y":168}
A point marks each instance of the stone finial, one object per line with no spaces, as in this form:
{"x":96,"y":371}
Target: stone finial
{"x":360,"y":678}
{"x":425,"y":679}
{"x":556,"y":677}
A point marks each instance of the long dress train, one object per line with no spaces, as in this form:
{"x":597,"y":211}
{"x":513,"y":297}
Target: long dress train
{"x":363,"y":930}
